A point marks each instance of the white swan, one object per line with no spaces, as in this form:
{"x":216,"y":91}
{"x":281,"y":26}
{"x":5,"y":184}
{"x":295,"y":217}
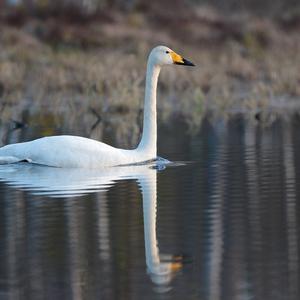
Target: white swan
{"x":73,"y":151}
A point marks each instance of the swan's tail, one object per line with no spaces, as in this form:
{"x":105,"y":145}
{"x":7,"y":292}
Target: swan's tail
{"x":9,"y":160}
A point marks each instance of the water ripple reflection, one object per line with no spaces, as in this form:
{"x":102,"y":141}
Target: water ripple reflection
{"x":224,"y":227}
{"x":66,"y":183}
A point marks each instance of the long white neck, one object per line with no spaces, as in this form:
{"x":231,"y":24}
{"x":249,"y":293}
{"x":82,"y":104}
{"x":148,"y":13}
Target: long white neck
{"x":149,"y":136}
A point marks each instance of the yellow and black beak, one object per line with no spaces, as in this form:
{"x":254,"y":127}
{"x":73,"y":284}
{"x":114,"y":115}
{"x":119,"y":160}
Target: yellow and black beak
{"x":179,"y":60}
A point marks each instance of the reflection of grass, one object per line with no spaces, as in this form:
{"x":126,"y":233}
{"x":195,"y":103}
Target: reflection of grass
{"x":247,"y":73}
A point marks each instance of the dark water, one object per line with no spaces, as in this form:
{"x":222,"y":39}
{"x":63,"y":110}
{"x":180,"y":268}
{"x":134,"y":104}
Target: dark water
{"x":222,"y":226}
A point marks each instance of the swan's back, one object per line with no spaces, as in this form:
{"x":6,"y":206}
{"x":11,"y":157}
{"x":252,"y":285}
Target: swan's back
{"x":64,"y":151}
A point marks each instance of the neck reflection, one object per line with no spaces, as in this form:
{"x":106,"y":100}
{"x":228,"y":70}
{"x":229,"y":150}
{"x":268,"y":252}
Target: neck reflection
{"x":161,"y":268}
{"x":54,"y":182}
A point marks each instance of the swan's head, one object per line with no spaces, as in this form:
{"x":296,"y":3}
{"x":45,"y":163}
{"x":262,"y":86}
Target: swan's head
{"x":162,"y":55}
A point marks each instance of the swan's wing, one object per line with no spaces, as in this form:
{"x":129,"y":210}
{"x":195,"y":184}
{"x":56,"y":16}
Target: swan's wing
{"x":59,"y":151}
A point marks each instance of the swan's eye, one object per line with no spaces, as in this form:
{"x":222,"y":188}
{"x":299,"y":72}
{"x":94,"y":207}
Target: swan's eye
{"x":167,"y":52}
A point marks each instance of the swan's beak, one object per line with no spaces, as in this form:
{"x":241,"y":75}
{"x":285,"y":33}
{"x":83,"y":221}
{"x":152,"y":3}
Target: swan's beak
{"x":177,"y":263}
{"x":176,"y":266}
{"x":179,"y":60}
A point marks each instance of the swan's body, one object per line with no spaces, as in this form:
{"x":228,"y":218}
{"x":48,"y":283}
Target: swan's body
{"x":74,"y":151}
{"x":71,"y":152}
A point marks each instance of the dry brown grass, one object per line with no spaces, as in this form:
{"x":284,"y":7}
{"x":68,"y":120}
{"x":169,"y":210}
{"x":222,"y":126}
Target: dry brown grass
{"x":255,"y":72}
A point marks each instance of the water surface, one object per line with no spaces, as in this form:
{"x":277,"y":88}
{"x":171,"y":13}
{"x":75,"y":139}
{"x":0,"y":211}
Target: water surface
{"x":223,"y":225}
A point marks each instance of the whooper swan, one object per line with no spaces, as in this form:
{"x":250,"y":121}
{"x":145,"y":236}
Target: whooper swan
{"x":74,"y":151}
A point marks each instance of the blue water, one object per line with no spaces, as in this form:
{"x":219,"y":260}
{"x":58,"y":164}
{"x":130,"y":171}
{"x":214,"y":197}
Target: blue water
{"x":219,"y":223}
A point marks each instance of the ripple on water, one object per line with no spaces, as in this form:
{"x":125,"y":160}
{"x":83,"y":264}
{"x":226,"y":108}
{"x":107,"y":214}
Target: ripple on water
{"x":220,"y":224}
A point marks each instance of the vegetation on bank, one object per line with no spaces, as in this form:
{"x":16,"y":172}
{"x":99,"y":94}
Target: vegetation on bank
{"x":93,"y":70}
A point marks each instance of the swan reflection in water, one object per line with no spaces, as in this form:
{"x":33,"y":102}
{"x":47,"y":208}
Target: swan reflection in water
{"x":59,"y":182}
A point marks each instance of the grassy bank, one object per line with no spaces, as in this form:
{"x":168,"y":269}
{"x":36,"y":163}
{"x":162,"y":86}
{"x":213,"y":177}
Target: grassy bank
{"x":84,"y":73}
